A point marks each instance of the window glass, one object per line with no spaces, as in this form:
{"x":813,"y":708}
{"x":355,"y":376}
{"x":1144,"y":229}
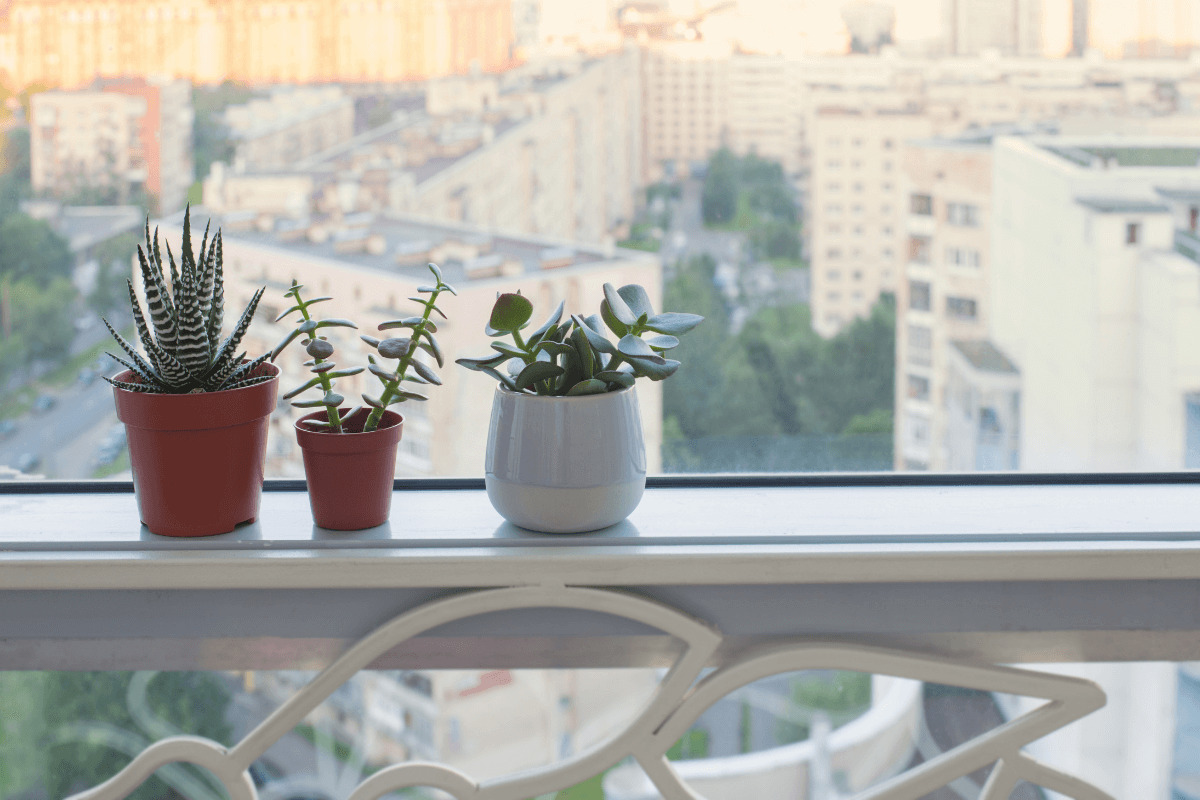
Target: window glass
{"x":553,"y":146}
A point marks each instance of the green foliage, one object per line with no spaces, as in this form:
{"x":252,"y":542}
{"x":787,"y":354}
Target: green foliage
{"x":113,"y":259}
{"x":775,"y":239}
{"x":210,"y":139}
{"x":43,"y":318}
{"x":693,"y":744}
{"x":848,"y":692}
{"x":877,"y":421}
{"x":745,"y":728}
{"x":718,"y":201}
{"x":776,"y":377}
{"x":61,"y":732}
{"x":575,"y":357}
{"x":184,"y":351}
{"x":29,"y":248}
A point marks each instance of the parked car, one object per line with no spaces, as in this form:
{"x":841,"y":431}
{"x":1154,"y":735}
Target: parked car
{"x":7,"y":428}
{"x":27,"y":462}
{"x":87,"y":376}
{"x":44,"y":403}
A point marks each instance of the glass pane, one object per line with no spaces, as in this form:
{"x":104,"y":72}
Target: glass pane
{"x":997,"y":203}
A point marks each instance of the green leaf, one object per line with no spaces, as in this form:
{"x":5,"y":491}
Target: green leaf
{"x":547,"y":325}
{"x":403,"y":394}
{"x":311,"y":383}
{"x":673,"y":323}
{"x":637,"y":300}
{"x":510,"y":313}
{"x":426,"y":373}
{"x":595,"y":338}
{"x":373,"y":402}
{"x":481,"y":364}
{"x":332,"y":400}
{"x":590,"y":386}
{"x":437,"y":272}
{"x":336,"y":323}
{"x":430,"y":345}
{"x":383,"y":374}
{"x":635,"y":347}
{"x":309,"y":404}
{"x":537,"y":371}
{"x":554,"y":348}
{"x":407,"y":322}
{"x":645,"y":368}
{"x":371,"y":340}
{"x":429,"y":305}
{"x":345,"y":373}
{"x":617,"y":305}
{"x":663,"y":342}
{"x":610,"y":320}
{"x":625,"y":379}
{"x":503,"y":379}
{"x":512,"y":351}
{"x":583,"y":349}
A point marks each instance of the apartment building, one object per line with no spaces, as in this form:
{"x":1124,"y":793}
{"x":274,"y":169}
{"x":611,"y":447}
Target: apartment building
{"x":941,"y":298}
{"x":857,"y":211}
{"x":73,"y":42}
{"x":370,"y":264}
{"x":1011,"y":27}
{"x":292,"y":124}
{"x":555,"y":154}
{"x":121,"y":137}
{"x":686,"y":88}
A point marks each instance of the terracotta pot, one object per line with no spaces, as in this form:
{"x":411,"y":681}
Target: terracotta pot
{"x":350,"y":474}
{"x":197,"y":458}
{"x":565,"y":464}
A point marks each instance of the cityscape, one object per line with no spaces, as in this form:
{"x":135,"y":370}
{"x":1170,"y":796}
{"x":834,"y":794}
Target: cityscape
{"x":947,"y":237}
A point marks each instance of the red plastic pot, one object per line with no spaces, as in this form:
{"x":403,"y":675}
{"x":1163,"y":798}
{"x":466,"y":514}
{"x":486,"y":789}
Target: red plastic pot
{"x":197,"y":458}
{"x":350,"y":474}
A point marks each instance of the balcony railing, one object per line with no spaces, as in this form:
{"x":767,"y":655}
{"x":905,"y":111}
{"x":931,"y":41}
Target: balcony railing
{"x":910,"y":579}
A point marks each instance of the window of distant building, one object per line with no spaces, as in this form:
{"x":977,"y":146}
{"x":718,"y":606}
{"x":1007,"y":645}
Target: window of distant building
{"x":962,"y":214}
{"x":920,"y":345}
{"x":921,"y":205}
{"x":833,"y":253}
{"x":920,"y":295}
{"x":833,"y":275}
{"x":887,"y":144}
{"x":918,"y":249}
{"x":1133,"y":232}
{"x":1193,"y":218}
{"x":918,"y":387}
{"x":960,"y":308}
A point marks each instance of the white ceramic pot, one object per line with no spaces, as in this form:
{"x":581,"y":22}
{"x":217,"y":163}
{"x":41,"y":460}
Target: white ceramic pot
{"x":565,"y":464}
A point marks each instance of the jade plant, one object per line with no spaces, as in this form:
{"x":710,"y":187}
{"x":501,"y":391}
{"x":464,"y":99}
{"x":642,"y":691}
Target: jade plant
{"x":575,"y":357}
{"x":395,"y":383}
{"x":182,"y":341}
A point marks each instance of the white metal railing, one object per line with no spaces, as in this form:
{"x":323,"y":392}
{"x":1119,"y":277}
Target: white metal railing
{"x":921,"y":583}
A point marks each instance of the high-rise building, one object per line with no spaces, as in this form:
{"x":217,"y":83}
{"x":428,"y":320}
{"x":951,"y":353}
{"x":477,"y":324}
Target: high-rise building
{"x":1079,"y":27}
{"x":107,"y":143}
{"x":292,"y":124}
{"x":857,"y":210}
{"x":1012,"y":27}
{"x":72,"y":42}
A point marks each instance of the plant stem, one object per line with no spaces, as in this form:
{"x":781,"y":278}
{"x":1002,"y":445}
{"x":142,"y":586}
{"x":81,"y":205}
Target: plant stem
{"x":331,"y":413}
{"x":390,"y":388}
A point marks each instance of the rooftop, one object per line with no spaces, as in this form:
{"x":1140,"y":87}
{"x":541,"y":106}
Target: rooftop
{"x":1129,"y":156}
{"x":984,"y":356}
{"x":1122,"y":205}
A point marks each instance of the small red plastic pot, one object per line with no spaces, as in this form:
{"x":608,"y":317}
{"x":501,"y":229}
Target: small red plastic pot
{"x":197,"y":459}
{"x":350,"y":474}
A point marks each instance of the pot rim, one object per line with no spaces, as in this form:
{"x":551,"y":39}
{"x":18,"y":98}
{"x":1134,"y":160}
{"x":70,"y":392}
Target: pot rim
{"x":314,"y":414}
{"x":506,"y":392}
{"x":121,"y":376}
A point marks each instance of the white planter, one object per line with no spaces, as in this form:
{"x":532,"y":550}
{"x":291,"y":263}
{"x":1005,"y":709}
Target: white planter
{"x":565,"y":464}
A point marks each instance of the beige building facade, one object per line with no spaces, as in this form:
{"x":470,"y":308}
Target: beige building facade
{"x":292,"y":124}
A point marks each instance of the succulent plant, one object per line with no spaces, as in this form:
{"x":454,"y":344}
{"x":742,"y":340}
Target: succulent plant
{"x":574,"y":357}
{"x":320,"y":350}
{"x":404,"y":350}
{"x":184,"y":350}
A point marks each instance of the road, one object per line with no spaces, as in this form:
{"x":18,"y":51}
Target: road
{"x":67,"y":436}
{"x":724,"y":246}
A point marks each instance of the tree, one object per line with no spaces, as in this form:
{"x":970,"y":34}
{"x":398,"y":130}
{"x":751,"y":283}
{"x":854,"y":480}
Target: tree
{"x":210,"y":138}
{"x":113,"y":258}
{"x":718,"y":201}
{"x":43,"y":320}
{"x":31,"y":248}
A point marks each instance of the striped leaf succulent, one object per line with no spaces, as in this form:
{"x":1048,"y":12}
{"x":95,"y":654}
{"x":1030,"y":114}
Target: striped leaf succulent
{"x":184,"y":351}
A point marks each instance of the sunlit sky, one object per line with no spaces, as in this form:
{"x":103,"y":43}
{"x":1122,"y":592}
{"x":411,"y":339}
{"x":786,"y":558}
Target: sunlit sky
{"x":815,"y":26}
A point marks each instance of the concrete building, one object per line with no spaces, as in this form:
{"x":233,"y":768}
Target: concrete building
{"x":292,"y":124}
{"x":370,"y":264}
{"x":122,"y":137}
{"x":1011,"y":27}
{"x":857,"y":210}
{"x":941,"y":299}
{"x":71,"y":43}
{"x":555,"y":154}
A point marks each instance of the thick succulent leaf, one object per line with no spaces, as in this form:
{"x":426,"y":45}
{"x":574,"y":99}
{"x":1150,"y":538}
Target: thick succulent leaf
{"x":610,"y":320}
{"x":663,"y":342}
{"x":512,"y":351}
{"x":242,"y":369}
{"x":407,"y":322}
{"x":345,"y":373}
{"x":583,"y":349}
{"x":319,"y":424}
{"x":426,"y":372}
{"x":235,"y":337}
{"x":348,"y":414}
{"x":224,"y":370}
{"x":158,"y":302}
{"x":143,"y":369}
{"x":336,"y":323}
{"x":397,"y":347}
{"x":134,"y":387}
{"x":550,"y":322}
{"x":503,"y":379}
{"x":291,"y":336}
{"x":373,"y":402}
{"x":437,"y":272}
{"x":324,"y":366}
{"x":176,"y":278}
{"x":514,"y":366}
{"x":383,"y":374}
{"x":307,"y":385}
{"x":554,"y":348}
{"x":332,"y":400}
{"x":429,"y":304}
{"x":635,"y":347}
{"x":371,"y":340}
{"x":673,"y":323}
{"x":572,"y":371}
{"x":594,"y":337}
{"x":618,"y":307}
{"x":403,"y":394}
{"x":415,"y":379}
{"x":147,"y":377}
{"x":636,"y":298}
{"x":186,"y":256}
{"x":645,"y":368}
{"x":307,"y":403}
{"x":430,"y":345}
{"x":625,"y":379}
{"x":245,"y":382}
{"x":590,"y":386}
{"x":216,"y":313}
{"x":481,"y":364}
{"x":537,"y":371}
{"x":192,"y":345}
{"x":511,"y":312}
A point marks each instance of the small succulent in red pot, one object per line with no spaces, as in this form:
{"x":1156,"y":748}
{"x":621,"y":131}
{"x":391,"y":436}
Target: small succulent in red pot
{"x":195,"y":409}
{"x":350,"y":453}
